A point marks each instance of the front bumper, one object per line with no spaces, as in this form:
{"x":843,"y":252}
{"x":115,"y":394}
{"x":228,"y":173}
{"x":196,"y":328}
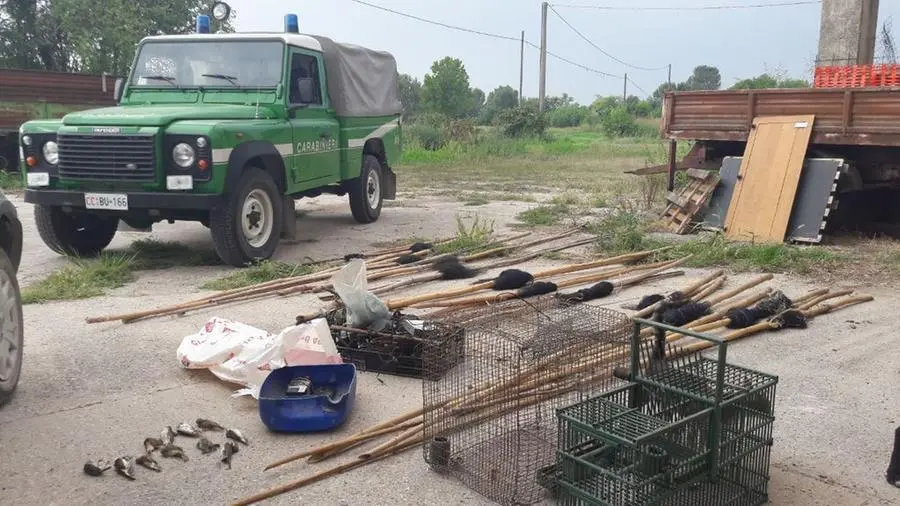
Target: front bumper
{"x":144,"y":200}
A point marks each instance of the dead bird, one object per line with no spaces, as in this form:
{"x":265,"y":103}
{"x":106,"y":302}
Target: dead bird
{"x":236,"y":435}
{"x":152,"y":444}
{"x":186,"y":429}
{"x":125,"y":467}
{"x":174,"y":452}
{"x":228,"y":450}
{"x":206,"y":446}
{"x":205,"y":424}
{"x":168,"y":436}
{"x":148,"y":462}
{"x":96,"y":469}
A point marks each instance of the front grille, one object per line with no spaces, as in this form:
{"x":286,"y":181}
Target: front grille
{"x":107,"y":157}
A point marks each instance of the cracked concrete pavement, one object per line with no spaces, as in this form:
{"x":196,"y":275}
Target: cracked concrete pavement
{"x":92,"y":391}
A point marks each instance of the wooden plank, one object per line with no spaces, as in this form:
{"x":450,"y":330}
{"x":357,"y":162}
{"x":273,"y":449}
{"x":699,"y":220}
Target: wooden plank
{"x":768,"y":179}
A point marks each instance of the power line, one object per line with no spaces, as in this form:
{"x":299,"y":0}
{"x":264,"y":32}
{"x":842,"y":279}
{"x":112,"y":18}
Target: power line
{"x":688,"y":8}
{"x":485,"y":34}
{"x":598,"y":48}
{"x":642,"y":90}
{"x":438,"y":23}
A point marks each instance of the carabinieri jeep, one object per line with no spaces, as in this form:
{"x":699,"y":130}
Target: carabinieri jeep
{"x":224,"y":129}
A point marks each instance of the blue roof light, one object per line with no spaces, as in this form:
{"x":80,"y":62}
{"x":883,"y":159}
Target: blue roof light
{"x":202,"y":23}
{"x":291,"y":24}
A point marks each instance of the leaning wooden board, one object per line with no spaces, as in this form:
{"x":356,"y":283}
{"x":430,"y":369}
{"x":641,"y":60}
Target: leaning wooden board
{"x":767,"y":183}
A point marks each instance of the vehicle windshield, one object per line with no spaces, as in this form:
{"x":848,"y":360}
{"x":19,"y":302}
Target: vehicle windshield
{"x":235,"y":64}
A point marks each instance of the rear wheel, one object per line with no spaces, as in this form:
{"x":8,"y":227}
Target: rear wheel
{"x":248,"y":226}
{"x":82,"y":235}
{"x":366,"y":191}
{"x":11,"y":330}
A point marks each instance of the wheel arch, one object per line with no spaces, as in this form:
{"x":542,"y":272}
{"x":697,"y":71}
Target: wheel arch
{"x":261,"y":154}
{"x":375,"y":147}
{"x":11,"y":239}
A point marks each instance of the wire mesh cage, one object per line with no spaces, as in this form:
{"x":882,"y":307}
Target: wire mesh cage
{"x":398,"y":348}
{"x":490,"y":420}
{"x":687,"y":430}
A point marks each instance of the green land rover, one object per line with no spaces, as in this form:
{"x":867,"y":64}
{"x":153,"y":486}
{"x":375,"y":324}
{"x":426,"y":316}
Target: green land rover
{"x":224,"y":129}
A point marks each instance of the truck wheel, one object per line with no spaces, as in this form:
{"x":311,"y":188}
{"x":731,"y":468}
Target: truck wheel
{"x":82,"y":235}
{"x":366,"y":192}
{"x":11,"y":330}
{"x":248,"y":226}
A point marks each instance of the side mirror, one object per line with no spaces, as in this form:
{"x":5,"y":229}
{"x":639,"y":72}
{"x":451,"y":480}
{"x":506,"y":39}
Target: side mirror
{"x":117,"y":92}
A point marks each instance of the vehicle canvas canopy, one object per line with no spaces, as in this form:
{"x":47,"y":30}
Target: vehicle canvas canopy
{"x":361,"y":82}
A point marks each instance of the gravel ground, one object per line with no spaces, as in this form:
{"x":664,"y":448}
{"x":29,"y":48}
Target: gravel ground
{"x":91,"y":391}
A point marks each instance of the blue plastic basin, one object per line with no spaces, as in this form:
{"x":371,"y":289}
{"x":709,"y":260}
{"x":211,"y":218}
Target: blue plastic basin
{"x":283,"y":412}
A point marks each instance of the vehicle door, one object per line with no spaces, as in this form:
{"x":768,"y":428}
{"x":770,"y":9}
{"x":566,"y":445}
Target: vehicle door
{"x":316,"y":158}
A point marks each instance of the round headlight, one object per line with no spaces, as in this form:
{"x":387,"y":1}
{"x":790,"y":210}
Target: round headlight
{"x":51,"y":152}
{"x":183,"y":154}
{"x":221,"y":10}
{"x":26,"y":140}
{"x":201,"y":142}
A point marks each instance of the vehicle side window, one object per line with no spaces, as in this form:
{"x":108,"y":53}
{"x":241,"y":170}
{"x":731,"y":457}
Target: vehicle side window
{"x":306,"y":86}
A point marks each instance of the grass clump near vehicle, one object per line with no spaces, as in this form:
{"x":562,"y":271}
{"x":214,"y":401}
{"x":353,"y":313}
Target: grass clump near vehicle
{"x":262,"y":272}
{"x":10,"y":181}
{"x":470,"y":239}
{"x":559,"y":208}
{"x":83,"y":278}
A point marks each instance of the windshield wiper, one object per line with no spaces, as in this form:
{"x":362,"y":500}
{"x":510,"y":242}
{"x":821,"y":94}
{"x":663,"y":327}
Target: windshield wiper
{"x":230,"y":79}
{"x":168,"y":79}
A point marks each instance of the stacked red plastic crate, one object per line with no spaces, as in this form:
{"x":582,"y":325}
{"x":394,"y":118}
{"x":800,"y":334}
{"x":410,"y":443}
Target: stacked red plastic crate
{"x":857,"y":76}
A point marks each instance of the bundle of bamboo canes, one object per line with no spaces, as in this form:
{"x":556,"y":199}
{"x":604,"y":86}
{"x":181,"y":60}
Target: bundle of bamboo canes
{"x":380,"y":264}
{"x":480,"y":403}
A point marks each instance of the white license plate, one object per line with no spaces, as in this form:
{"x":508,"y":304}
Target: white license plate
{"x":108,"y":201}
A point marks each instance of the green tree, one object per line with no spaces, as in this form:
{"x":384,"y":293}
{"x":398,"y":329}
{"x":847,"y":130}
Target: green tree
{"x":478,"y":100}
{"x":91,"y":36}
{"x":766,"y":80}
{"x":445,"y":89}
{"x":499,"y":100}
{"x":704,"y":77}
{"x":410,"y":91}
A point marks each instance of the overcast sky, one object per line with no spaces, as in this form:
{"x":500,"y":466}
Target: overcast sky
{"x":740,"y":42}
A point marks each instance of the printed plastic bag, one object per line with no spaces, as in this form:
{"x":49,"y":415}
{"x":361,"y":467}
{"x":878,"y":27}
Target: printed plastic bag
{"x":364,"y":309}
{"x":219,"y":340}
{"x":307,"y":344}
{"x":241,"y":354}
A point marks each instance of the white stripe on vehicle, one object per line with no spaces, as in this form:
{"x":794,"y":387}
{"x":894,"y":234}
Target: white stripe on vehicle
{"x":285,"y":149}
{"x":378,"y":132}
{"x":221,"y":155}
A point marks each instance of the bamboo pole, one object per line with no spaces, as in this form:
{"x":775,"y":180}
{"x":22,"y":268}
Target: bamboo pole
{"x":445,"y":294}
{"x":687,"y":291}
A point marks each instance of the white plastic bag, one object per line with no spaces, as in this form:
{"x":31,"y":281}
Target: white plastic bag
{"x":364,"y":309}
{"x":219,"y":340}
{"x":245,"y":355}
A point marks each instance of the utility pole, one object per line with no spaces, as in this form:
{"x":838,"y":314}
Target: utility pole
{"x":625,"y":89}
{"x":521,"y":67}
{"x":669,"y":80}
{"x":543,"y":81}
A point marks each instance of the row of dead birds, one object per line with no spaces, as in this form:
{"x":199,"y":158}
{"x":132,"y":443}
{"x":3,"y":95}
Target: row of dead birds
{"x":167,"y":448}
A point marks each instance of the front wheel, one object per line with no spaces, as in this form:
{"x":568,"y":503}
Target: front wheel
{"x":11,"y":330}
{"x":248,"y":226}
{"x":81,"y":235}
{"x":366,"y":192}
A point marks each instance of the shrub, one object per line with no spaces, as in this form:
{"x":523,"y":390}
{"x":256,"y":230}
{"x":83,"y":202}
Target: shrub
{"x":618,"y":122}
{"x":522,"y":122}
{"x":428,"y":136}
{"x":567,"y":116}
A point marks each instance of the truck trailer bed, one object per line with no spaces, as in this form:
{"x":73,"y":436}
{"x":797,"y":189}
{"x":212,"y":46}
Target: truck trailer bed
{"x":844,"y":116}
